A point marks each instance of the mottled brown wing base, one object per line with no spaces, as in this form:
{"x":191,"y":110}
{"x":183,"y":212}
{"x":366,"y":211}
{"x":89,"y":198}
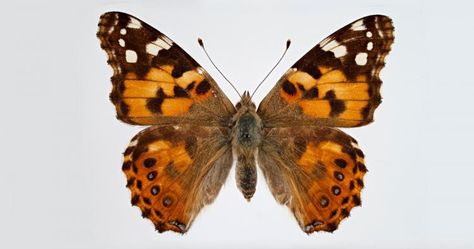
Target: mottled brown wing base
{"x":316,"y":172}
{"x":173,"y":171}
{"x":154,"y":80}
{"x":337,"y":82}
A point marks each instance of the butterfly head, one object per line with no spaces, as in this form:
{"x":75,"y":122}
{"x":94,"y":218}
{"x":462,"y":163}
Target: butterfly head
{"x":245,"y":104}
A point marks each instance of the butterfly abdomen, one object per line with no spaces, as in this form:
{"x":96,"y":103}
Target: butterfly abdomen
{"x":246,"y":175}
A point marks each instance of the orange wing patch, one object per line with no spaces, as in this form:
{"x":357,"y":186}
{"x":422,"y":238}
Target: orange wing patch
{"x":337,"y":174}
{"x":331,"y":95}
{"x":151,"y":170}
{"x":159,"y":93}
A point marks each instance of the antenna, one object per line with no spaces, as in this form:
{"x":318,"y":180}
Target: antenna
{"x":288,"y":42}
{"x":201,"y":43}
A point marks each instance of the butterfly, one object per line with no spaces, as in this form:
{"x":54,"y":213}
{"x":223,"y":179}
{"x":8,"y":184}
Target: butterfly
{"x":179,"y":163}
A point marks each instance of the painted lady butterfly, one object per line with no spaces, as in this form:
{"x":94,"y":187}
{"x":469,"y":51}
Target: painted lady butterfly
{"x":178,"y":164}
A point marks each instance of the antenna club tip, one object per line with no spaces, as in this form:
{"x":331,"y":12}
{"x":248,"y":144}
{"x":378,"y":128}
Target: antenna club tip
{"x":200,"y":42}
{"x":288,"y":43}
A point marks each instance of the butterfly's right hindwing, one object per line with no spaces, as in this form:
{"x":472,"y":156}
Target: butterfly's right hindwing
{"x":316,"y":171}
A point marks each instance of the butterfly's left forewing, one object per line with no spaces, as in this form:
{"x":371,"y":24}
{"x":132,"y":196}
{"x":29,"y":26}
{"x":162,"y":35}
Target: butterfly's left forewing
{"x":154,"y":80}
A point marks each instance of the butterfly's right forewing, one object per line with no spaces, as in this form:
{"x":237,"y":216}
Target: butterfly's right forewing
{"x":337,"y":82}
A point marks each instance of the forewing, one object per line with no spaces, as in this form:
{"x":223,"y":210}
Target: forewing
{"x":154,"y":80}
{"x":337,"y":82}
{"x":173,"y":171}
{"x":316,"y":172}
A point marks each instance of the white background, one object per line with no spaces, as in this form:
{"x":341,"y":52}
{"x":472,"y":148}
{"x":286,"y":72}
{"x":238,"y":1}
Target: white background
{"x":61,"y":184}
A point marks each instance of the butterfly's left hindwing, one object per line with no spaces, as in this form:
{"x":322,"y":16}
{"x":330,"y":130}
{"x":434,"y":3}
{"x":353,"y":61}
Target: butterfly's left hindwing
{"x":337,"y":82}
{"x":173,"y":171}
{"x":154,"y":80}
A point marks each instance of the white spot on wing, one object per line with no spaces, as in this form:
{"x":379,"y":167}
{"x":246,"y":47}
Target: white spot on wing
{"x":123,"y":31}
{"x":358,"y":26}
{"x":361,"y":59}
{"x":355,"y":145}
{"x":332,"y":44}
{"x":131,"y":56}
{"x":134,"y":23}
{"x":339,"y":51}
{"x":155,"y":46}
{"x":152,"y":49}
{"x":162,"y":43}
{"x":370,"y":46}
{"x":381,"y":33}
{"x":368,"y":34}
{"x":377,"y":27}
{"x":326,"y":40}
{"x":167,"y":40}
{"x":121,"y":42}
{"x":133,"y":143}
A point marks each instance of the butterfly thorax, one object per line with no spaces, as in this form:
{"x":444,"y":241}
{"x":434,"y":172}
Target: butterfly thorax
{"x":246,"y":136}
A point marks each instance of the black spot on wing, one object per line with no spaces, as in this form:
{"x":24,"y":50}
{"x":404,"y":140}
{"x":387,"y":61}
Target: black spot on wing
{"x":149,"y":162}
{"x":311,"y":93}
{"x":337,"y":106}
{"x":126,"y":165}
{"x":340,"y":162}
{"x":155,"y":190}
{"x":180,"y":92}
{"x":203,"y":87}
{"x":190,"y":86}
{"x":356,"y":200}
{"x":362,"y":167}
{"x":124,"y":108}
{"x":154,"y":104}
{"x":289,"y":88}
{"x":178,"y":70}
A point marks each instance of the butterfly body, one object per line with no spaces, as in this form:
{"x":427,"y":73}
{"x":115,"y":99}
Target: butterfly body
{"x":247,"y":135}
{"x":178,"y":165}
